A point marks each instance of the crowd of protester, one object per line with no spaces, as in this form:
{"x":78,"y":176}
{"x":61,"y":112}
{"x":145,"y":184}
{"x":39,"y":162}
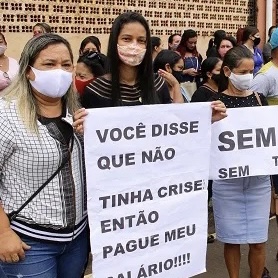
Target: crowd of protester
{"x":45,"y":89}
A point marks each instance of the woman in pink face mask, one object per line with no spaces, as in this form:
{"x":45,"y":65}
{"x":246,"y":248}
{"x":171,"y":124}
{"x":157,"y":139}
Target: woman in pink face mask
{"x":224,"y":45}
{"x":130,"y":80}
{"x":8,"y":66}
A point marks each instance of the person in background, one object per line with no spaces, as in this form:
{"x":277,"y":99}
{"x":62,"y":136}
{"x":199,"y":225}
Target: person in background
{"x":171,"y":64}
{"x":8,"y":66}
{"x":174,"y":41}
{"x":266,"y":83}
{"x":239,"y":35}
{"x":90,"y":65}
{"x":156,"y":46}
{"x":40,"y":150}
{"x":249,"y":194}
{"x":41,"y":28}
{"x":251,"y":39}
{"x":91,"y":43}
{"x":225,"y":44}
{"x":266,"y":80}
{"x":192,"y":61}
{"x":211,"y":73}
{"x":267,"y":46}
{"x":213,"y":42}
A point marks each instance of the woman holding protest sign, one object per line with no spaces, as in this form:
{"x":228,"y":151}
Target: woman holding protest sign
{"x":130,"y":80}
{"x":43,"y":213}
{"x":241,"y":206}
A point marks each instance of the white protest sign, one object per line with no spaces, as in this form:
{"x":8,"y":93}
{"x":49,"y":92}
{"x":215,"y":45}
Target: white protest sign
{"x":147,"y":168}
{"x":245,"y":143}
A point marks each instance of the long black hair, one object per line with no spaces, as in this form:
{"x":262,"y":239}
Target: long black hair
{"x":145,"y":69}
{"x":164,"y":57}
{"x":182,"y":48}
{"x":232,"y":59}
{"x":207,"y":66}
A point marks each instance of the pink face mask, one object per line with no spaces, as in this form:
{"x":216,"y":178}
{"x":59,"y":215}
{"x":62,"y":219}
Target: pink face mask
{"x":131,"y":54}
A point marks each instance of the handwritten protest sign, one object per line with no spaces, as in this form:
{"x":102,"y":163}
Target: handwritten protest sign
{"x":245,"y":143}
{"x":146,"y":169}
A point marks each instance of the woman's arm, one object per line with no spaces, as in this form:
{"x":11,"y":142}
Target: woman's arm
{"x":175,"y":93}
{"x":78,"y":120}
{"x":11,"y":246}
{"x":218,"y":111}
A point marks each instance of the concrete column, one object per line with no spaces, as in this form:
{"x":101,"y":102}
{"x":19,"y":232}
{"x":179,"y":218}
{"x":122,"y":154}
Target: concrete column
{"x":274,"y":12}
{"x":269,"y":15}
{"x":261,"y":20}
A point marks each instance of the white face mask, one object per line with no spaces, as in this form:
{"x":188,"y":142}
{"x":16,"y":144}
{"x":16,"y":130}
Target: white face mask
{"x":3,"y":48}
{"x":51,"y":83}
{"x":131,"y":54}
{"x":241,"y":82}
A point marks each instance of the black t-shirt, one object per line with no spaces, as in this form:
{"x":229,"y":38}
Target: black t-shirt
{"x":236,"y":102}
{"x":203,"y":94}
{"x":98,"y":94}
{"x":58,"y":128}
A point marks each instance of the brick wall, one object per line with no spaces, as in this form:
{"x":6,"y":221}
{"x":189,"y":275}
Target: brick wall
{"x":75,"y":19}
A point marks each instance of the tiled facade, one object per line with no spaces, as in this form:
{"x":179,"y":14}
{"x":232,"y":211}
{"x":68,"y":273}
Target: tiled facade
{"x":76,"y":18}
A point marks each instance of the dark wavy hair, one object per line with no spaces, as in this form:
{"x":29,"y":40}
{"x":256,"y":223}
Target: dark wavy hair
{"x":164,"y":57}
{"x":182,"y":48}
{"x":145,"y":69}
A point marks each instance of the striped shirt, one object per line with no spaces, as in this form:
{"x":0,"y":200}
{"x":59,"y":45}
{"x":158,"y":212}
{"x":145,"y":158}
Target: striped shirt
{"x":27,"y":160}
{"x":98,"y":93}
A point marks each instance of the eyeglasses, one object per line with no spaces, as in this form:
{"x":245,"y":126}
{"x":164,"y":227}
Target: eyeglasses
{"x":5,"y":74}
